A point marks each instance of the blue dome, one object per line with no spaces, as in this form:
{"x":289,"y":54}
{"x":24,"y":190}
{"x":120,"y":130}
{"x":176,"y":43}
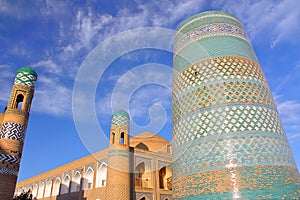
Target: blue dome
{"x":120,"y":113}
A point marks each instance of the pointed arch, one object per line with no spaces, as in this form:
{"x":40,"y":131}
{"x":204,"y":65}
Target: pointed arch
{"x":56,"y":187}
{"x":19,"y":101}
{"x":144,"y":198}
{"x":165,"y":175}
{"x":87,"y":182}
{"x":142,"y":146}
{"x":48,"y":188}
{"x":75,"y":184}
{"x":143,"y":175}
{"x":65,"y":184}
{"x":41,"y":190}
{"x":122,"y":138}
{"x":101,"y":175}
{"x":35,"y":190}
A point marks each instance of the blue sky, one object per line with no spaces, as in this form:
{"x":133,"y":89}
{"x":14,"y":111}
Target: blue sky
{"x":56,"y":38}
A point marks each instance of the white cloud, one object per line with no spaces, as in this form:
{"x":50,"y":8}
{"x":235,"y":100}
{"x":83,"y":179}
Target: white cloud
{"x":88,"y":25}
{"x":289,"y":111}
{"x":276,"y":19}
{"x":52,"y":97}
{"x":48,"y":66}
{"x":6,"y":81}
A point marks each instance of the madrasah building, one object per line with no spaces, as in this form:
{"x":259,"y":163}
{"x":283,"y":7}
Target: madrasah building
{"x":228,"y":140}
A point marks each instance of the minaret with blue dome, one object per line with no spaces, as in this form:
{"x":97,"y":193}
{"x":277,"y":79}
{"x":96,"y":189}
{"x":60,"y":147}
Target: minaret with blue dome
{"x":118,"y":172}
{"x":13,"y":127}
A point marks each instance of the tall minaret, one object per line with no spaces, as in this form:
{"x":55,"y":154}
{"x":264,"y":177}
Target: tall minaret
{"x":228,"y":141}
{"x":118,"y":172}
{"x":14,"y":122}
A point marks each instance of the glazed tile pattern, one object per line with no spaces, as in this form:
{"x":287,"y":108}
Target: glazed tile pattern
{"x":25,"y":78}
{"x":219,"y":184}
{"x":120,"y":120}
{"x":8,"y":171}
{"x":226,"y":120}
{"x":9,"y":158}
{"x":211,"y":30}
{"x":13,"y":131}
{"x":228,"y":141}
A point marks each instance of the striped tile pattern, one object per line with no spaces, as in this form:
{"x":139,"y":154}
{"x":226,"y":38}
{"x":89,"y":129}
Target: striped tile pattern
{"x":228,"y":141}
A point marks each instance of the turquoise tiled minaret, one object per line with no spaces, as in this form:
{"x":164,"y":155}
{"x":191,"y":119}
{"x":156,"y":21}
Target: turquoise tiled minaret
{"x":13,"y":126}
{"x":228,"y":141}
{"x":118,"y":172}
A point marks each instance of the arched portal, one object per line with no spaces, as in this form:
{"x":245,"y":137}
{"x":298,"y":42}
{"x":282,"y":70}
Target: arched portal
{"x":48,"y":188}
{"x":101,"y":175}
{"x":165,"y":175}
{"x":65,"y":184}
{"x":35,"y":190}
{"x":87,"y":182}
{"x":75,"y":184}
{"x":56,"y":186}
{"x":19,"y":101}
{"x":143,"y":175}
{"x":142,"y":146}
{"x":41,"y":190}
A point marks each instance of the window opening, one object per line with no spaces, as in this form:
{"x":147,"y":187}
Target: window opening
{"x":20,"y":99}
{"x":122,"y":138}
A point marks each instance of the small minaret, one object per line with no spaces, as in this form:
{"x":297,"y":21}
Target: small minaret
{"x":13,"y":125}
{"x":118,"y":173}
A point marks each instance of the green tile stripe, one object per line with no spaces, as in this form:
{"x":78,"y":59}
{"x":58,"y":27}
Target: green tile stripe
{"x":212,"y":47}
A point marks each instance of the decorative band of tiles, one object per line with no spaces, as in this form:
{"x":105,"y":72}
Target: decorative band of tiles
{"x":25,"y":78}
{"x":8,"y":171}
{"x":238,"y":149}
{"x":209,"y":31}
{"x":13,"y":131}
{"x":250,"y":182}
{"x":217,"y":69}
{"x":220,"y":93}
{"x":9,"y":158}
{"x":224,"y":120}
{"x":120,"y":120}
{"x":203,"y":19}
{"x":122,"y":153}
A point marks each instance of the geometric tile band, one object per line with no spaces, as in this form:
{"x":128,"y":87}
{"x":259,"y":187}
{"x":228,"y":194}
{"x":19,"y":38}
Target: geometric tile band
{"x":120,"y":120}
{"x":8,"y":171}
{"x":239,"y":149}
{"x":25,"y":78}
{"x":208,"y":31}
{"x":217,"y":69}
{"x":9,"y":158}
{"x":221,"y":92}
{"x":212,"y":47}
{"x":253,"y":183}
{"x":13,"y":131}
{"x":224,"y":120}
{"x":198,"y":20}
